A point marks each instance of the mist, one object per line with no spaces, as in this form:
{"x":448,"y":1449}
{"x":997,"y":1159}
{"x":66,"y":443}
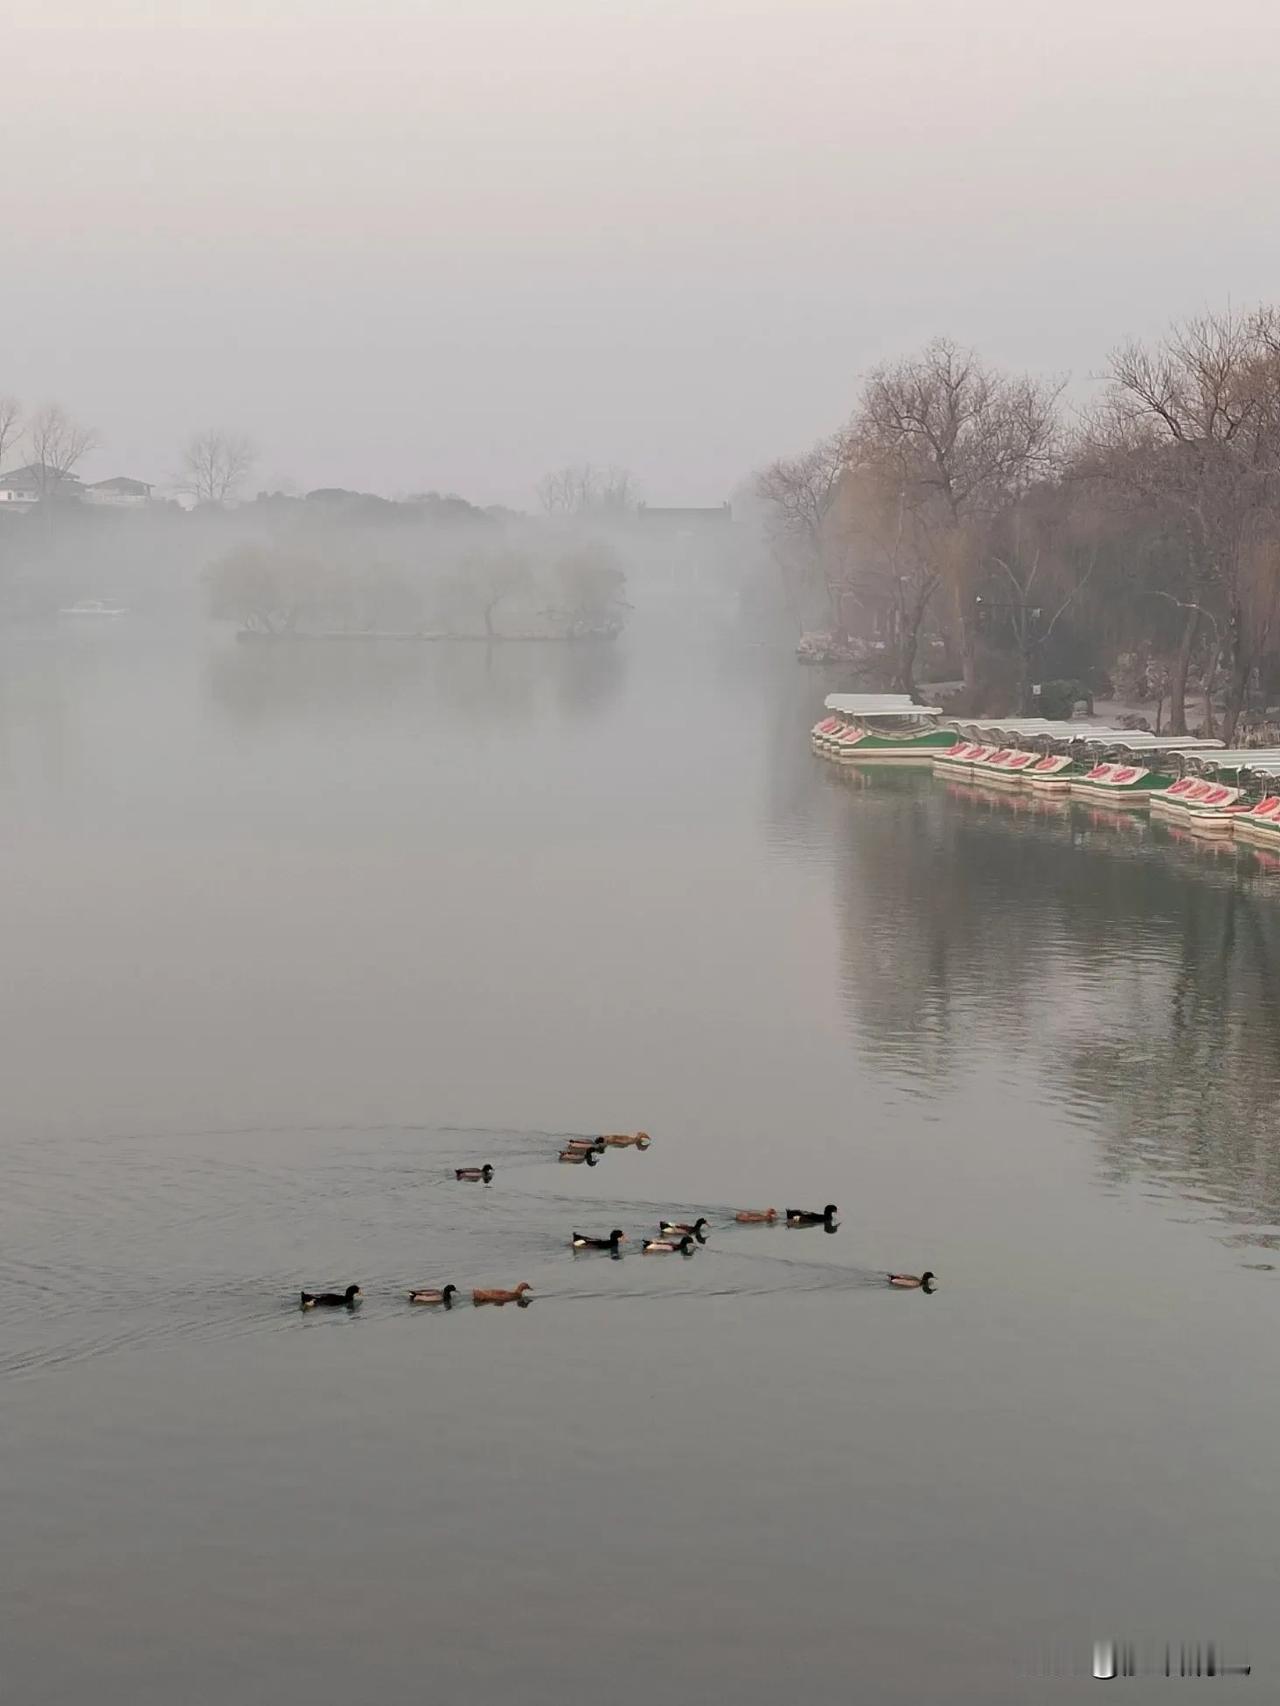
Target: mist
{"x":419,"y":246}
{"x":562,"y":1134}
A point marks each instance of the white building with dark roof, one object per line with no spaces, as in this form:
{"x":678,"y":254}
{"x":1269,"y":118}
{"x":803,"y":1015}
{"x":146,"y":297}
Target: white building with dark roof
{"x":27,"y":486}
{"x":119,"y":491}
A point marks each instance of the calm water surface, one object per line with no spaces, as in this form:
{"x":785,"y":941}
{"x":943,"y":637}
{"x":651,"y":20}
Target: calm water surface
{"x":290,"y":934}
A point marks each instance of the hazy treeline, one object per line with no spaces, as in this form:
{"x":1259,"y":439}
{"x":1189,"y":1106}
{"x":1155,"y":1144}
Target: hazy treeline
{"x":961,"y":516}
{"x":336,"y":561}
{"x":484,"y":578}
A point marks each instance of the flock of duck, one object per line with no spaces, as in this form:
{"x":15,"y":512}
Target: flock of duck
{"x":675,"y":1237}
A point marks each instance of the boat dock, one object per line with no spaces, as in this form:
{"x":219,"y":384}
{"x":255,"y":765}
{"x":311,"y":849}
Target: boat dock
{"x":1199,"y":784}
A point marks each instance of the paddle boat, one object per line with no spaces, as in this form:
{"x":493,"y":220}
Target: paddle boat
{"x":977,"y":744}
{"x":843,"y":711}
{"x":879,"y":727}
{"x":1019,"y":748}
{"x":959,"y":760}
{"x":93,"y":607}
{"x":1259,"y":823}
{"x":1252,"y":776}
{"x":1209,"y":794}
{"x":1130,"y":770}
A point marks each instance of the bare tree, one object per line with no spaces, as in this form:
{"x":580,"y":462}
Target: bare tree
{"x":616,"y":493}
{"x":799,"y":492}
{"x":57,"y":444}
{"x":10,"y":425}
{"x":214,"y":463}
{"x":1192,"y":426}
{"x":579,"y":489}
{"x":969,"y":439}
{"x":1041,"y":566}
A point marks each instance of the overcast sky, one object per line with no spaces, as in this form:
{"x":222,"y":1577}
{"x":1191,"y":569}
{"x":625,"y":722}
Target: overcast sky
{"x":452,"y":243}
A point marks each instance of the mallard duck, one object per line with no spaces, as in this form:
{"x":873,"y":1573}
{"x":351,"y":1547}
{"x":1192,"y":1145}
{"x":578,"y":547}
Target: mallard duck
{"x":485,"y":1173}
{"x":332,"y":1299}
{"x":616,"y":1237}
{"x":677,"y":1228}
{"x":913,"y":1282}
{"x":756,"y":1216}
{"x":628,"y":1140}
{"x":668,"y":1246}
{"x":500,"y":1297}
{"x":579,"y":1157}
{"x":809,"y":1217}
{"x":426,"y":1296}
{"x":596,"y":1143}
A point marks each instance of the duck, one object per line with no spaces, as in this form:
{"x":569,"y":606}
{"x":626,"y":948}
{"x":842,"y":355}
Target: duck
{"x":616,"y":1237}
{"x":577,"y":1157}
{"x":425,"y":1295}
{"x":756,"y":1216}
{"x":628,"y":1140}
{"x":809,"y":1217}
{"x":913,"y":1282}
{"x":498,"y":1296}
{"x":668,"y":1246}
{"x":332,"y":1299}
{"x":584,"y":1143}
{"x":677,"y":1228}
{"x":485,"y":1172}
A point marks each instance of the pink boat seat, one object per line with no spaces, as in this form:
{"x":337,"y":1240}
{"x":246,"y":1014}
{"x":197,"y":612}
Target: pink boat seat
{"x":1181,"y":788}
{"x":1100,"y":773}
{"x":1126,"y":773}
{"x":1019,"y":760}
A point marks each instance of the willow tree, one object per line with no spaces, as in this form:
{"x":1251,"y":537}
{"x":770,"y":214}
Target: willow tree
{"x":961,"y":441}
{"x":879,"y":531}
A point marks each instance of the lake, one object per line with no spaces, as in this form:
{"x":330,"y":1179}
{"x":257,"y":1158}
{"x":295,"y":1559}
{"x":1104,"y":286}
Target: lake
{"x":291,"y":932}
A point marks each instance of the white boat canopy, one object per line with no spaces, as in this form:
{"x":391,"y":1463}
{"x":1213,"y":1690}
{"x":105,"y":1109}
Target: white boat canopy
{"x":1236,"y":758}
{"x":1042,"y":728}
{"x":878,"y":705}
{"x":1138,"y":740}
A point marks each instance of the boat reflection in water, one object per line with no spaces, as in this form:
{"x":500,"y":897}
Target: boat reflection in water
{"x":1131,"y":966}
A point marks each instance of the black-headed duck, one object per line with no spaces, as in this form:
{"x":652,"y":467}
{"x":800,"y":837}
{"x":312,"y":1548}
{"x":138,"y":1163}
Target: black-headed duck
{"x":668,"y":1246}
{"x":811,"y":1217}
{"x":495,"y":1295}
{"x":579,"y":1157}
{"x":474,"y":1173}
{"x":425,"y":1295}
{"x":913,"y":1282}
{"x":616,"y":1237}
{"x":332,"y":1299}
{"x":678,"y":1228}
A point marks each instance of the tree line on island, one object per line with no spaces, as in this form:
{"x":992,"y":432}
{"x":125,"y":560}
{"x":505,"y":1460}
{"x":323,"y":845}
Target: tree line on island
{"x":961,"y":526}
{"x":335,"y":562}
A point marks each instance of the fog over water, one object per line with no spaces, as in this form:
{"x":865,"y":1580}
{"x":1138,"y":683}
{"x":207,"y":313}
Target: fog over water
{"x":432,"y":785}
{"x":291,"y":932}
{"x":453,"y":243}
